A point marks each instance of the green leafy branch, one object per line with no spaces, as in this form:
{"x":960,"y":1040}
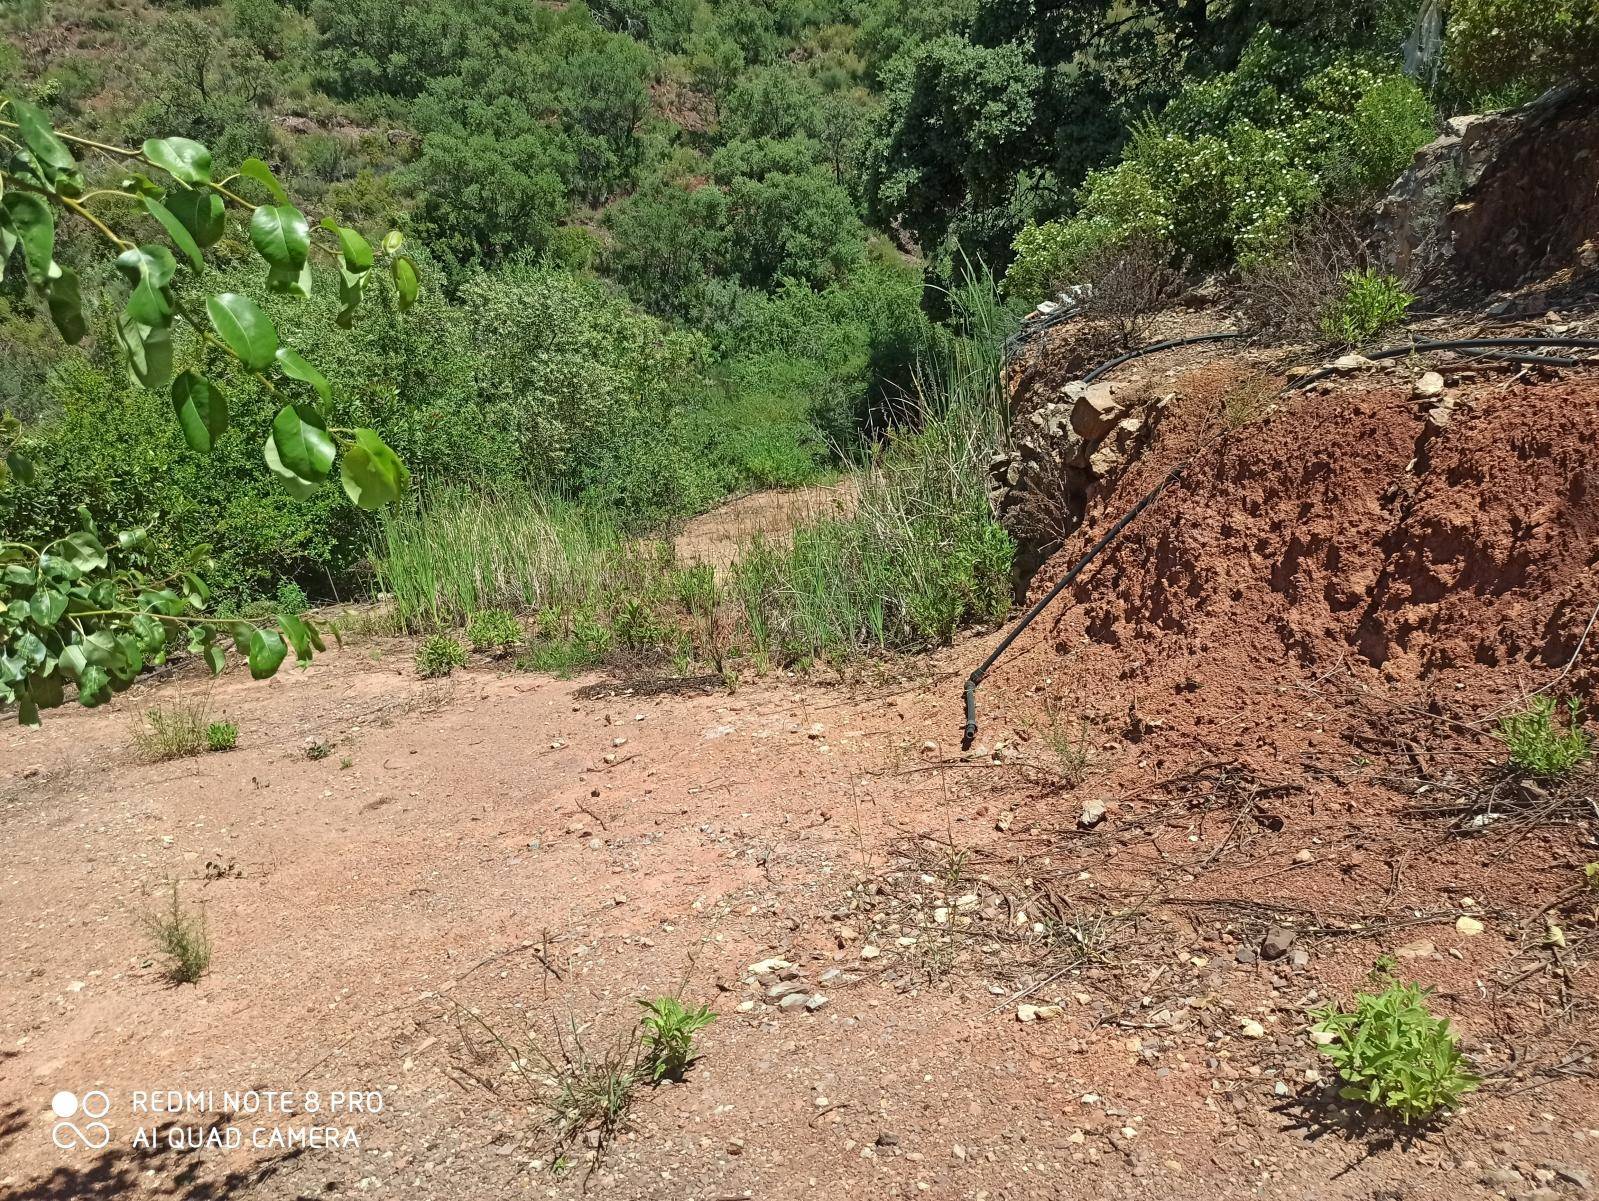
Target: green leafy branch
{"x":77,"y":611}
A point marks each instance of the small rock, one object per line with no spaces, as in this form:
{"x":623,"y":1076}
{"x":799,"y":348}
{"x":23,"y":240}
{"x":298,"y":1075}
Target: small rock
{"x":1428,"y":385}
{"x":1570,"y":1173}
{"x":794,"y":1000}
{"x":1501,"y":1178}
{"x":1419,"y":949}
{"x":1093,"y":813}
{"x":1277,"y":942}
{"x":1469,"y":927}
{"x":1246,"y":955}
{"x":787,"y":988}
{"x":815,"y":1002}
{"x":1300,"y":957}
{"x":1305,"y":855}
{"x":870,"y":952}
{"x":1250,"y":1028}
{"x":1351,"y":362}
{"x":887,"y":1139}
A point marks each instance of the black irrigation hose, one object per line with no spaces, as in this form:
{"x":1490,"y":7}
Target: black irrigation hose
{"x":1138,"y":354}
{"x":1485,"y":344}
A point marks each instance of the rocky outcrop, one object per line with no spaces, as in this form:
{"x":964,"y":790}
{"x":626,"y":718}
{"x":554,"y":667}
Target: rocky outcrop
{"x":1500,"y":199}
{"x":1060,"y":452}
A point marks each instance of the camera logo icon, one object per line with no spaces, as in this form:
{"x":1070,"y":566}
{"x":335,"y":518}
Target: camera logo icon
{"x":93,"y":1134}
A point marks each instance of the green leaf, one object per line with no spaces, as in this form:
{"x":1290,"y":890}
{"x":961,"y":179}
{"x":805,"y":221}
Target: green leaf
{"x":94,"y":686}
{"x":353,"y":248}
{"x":371,"y":473}
{"x":27,"y":708}
{"x":298,"y":635}
{"x":287,"y":281}
{"x":392,"y":241}
{"x":295,"y":486}
{"x":352,"y":286}
{"x":34,"y":225}
{"x":83,"y":551}
{"x":293,"y":365}
{"x":202,"y":410}
{"x":406,"y":282}
{"x":201,"y":212}
{"x":215,"y":658}
{"x":18,"y":464}
{"x":177,"y":231}
{"x":65,"y":300}
{"x":182,"y":158}
{"x":149,"y":269}
{"x":246,"y":330}
{"x":254,"y":168}
{"x":265,"y":653}
{"x":281,"y":235}
{"x":46,"y":688}
{"x":46,"y":607}
{"x":49,"y":151}
{"x":148,"y":349}
{"x":304,"y":445}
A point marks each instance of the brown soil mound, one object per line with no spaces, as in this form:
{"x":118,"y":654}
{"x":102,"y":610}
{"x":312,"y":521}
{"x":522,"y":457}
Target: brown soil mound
{"x":1342,"y":529}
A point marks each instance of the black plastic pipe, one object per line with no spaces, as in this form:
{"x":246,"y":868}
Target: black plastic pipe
{"x":1488,"y":345}
{"x":1140,"y":353}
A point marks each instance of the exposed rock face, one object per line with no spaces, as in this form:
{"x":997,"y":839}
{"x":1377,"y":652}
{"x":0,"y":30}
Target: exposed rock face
{"x":1060,"y":450}
{"x":1500,"y":198}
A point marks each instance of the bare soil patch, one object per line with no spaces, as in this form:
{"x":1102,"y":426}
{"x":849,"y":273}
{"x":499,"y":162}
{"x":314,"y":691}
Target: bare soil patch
{"x":1279,"y":686}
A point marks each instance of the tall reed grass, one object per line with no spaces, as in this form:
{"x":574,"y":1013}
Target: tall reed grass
{"x":919,"y":556}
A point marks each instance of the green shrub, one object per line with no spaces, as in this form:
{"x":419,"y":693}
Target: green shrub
{"x":1537,"y":743}
{"x":291,"y":598}
{"x":439,"y":655}
{"x":221,"y":736}
{"x":184,"y":937}
{"x":1371,"y":303}
{"x":669,"y":1028}
{"x":493,"y":630}
{"x":1392,"y":1053}
{"x":1539,"y":42}
{"x":1226,"y":170}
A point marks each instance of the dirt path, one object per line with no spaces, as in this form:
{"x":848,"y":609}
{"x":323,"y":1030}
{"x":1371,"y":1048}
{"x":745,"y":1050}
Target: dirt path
{"x":533,"y":853}
{"x":719,"y":536}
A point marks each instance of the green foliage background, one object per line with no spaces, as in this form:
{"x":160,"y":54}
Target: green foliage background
{"x":674,"y":249}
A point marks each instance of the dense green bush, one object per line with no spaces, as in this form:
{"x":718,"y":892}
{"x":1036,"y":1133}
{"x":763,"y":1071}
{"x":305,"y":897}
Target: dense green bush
{"x":1371,"y":303}
{"x":1538,"y":42}
{"x":1224,"y":172}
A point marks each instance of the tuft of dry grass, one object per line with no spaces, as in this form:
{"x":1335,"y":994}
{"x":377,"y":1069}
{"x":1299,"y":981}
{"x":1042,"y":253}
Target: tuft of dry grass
{"x":173,"y":730}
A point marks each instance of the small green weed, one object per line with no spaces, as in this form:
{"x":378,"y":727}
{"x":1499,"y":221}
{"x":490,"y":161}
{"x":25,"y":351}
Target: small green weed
{"x":669,"y":1030}
{"x":1537,"y":743}
{"x":1391,"y":1052}
{"x":221,"y":736}
{"x":1068,"y":743}
{"x":493,"y":630}
{"x":439,"y":655}
{"x":183,"y":937}
{"x":1371,"y":302}
{"x":171,"y":731}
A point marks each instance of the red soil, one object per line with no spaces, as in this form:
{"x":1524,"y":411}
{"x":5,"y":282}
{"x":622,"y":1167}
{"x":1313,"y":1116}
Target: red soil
{"x":1280,"y":682}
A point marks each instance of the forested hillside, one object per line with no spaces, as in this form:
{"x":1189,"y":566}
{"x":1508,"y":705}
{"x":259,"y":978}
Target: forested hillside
{"x":675,"y":250}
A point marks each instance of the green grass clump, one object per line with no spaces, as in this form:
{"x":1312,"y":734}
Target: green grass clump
{"x":183,"y":937}
{"x":493,"y":630}
{"x":1392,"y":1053}
{"x":439,"y":655}
{"x":1371,"y":303}
{"x":669,"y":1028}
{"x":221,"y":736}
{"x":174,"y":730}
{"x":1539,"y":744}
